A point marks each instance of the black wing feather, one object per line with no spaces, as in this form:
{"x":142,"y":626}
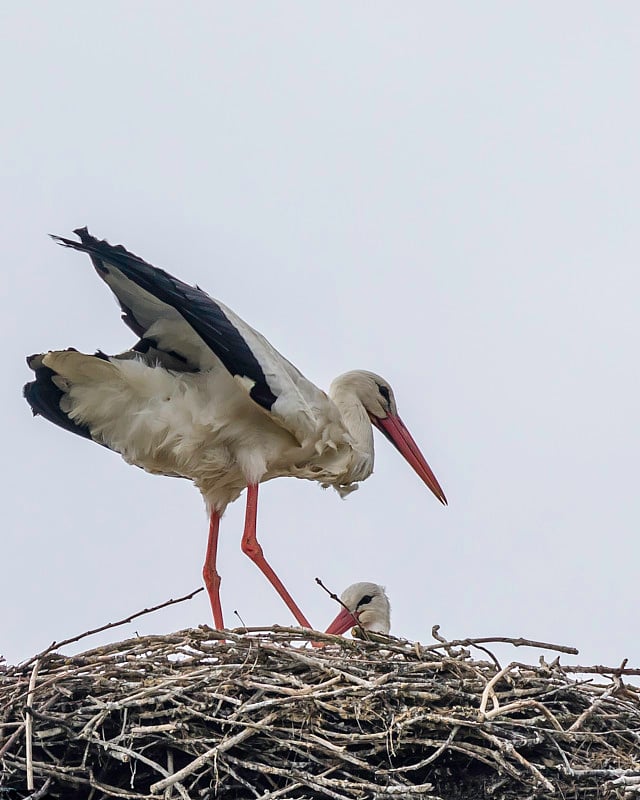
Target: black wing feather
{"x":196,"y":307}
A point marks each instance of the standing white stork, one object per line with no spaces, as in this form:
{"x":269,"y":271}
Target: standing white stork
{"x":204,"y":396}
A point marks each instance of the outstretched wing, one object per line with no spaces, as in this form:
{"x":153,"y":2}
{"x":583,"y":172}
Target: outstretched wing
{"x":197,"y":331}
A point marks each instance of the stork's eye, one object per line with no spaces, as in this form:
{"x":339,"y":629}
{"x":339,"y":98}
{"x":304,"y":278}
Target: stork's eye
{"x":384,"y":391}
{"x":366,"y":599}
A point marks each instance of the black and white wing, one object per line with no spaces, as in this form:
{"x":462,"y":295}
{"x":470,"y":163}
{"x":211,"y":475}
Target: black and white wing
{"x":197,"y":332}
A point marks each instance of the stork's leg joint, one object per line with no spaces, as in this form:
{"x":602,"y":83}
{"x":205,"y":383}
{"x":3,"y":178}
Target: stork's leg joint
{"x":212,"y":579}
{"x":252,"y":548}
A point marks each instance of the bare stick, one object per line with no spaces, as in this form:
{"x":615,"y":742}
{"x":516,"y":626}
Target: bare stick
{"x":130,"y":618}
{"x":169,"y":790}
{"x":518,"y":705}
{"x":601,"y":670}
{"x":28,"y":733}
{"x":579,"y":722}
{"x":488,"y":689}
{"x":198,"y":762}
{"x":518,"y":642}
{"x":42,"y":791}
{"x":436,"y":635}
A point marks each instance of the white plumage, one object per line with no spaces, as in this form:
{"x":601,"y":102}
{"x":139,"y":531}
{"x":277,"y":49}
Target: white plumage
{"x":365,"y":604}
{"x":165,"y":422}
{"x":204,"y":396}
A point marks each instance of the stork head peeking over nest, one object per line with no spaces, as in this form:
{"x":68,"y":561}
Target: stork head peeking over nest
{"x":367,"y":605}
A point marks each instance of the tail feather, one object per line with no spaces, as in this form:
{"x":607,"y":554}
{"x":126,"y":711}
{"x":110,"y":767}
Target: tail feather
{"x":78,"y":367}
{"x":44,"y":397}
{"x":55,"y":373}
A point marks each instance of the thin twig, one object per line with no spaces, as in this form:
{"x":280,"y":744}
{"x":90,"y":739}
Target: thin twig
{"x":57,"y":645}
{"x":237,"y":613}
{"x":364,"y":633}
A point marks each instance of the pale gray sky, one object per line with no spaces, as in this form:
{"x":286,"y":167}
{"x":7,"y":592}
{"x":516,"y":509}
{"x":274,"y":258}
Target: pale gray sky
{"x":444,"y":193}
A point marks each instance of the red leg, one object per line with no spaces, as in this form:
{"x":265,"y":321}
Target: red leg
{"x":209,"y":572}
{"x":252,"y":548}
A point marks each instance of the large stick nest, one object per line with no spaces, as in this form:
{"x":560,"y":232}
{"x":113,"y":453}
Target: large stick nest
{"x":263,"y":714}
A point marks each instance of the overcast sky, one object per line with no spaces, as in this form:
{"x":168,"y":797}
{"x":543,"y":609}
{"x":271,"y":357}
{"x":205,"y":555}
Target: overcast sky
{"x":444,"y":193}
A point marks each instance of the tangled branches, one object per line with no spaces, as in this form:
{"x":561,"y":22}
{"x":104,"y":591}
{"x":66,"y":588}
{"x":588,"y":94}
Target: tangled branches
{"x":258,"y":713}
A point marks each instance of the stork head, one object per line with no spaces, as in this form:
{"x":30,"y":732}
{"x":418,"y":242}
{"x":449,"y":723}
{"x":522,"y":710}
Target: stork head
{"x":366,"y":604}
{"x":376,"y":395}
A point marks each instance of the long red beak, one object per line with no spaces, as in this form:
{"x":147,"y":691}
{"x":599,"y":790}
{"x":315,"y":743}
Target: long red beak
{"x":344,"y":620}
{"x":395,"y":431}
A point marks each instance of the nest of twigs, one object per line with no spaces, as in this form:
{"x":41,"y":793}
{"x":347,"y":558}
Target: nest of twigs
{"x":261,"y":713}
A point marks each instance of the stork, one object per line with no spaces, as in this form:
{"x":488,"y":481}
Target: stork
{"x":204,"y":396}
{"x":365,"y":604}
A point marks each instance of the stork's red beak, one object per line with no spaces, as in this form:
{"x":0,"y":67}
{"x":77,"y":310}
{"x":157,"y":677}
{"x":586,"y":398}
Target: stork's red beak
{"x":345,"y":619}
{"x":395,"y":431}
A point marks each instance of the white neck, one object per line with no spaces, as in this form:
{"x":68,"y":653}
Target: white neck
{"x":359,"y":426}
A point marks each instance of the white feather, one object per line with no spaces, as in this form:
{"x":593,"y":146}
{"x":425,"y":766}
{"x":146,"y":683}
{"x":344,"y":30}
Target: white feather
{"x":374,"y":615}
{"x":203,"y":426}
